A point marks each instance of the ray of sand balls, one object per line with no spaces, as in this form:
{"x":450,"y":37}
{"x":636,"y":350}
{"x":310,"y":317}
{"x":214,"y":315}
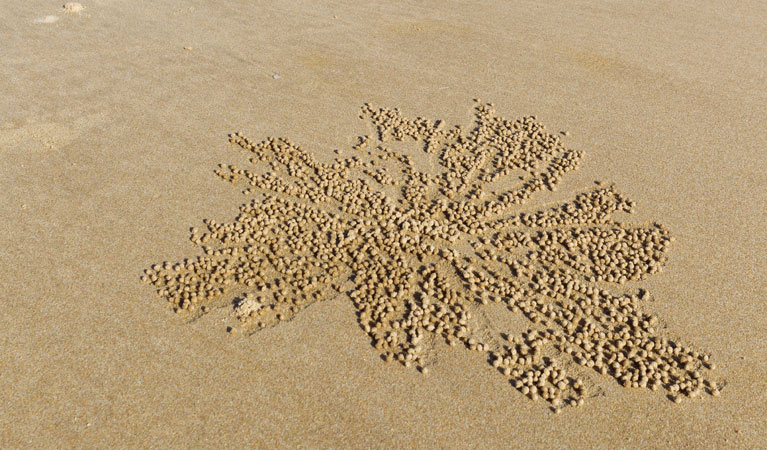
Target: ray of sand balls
{"x":419,"y":253}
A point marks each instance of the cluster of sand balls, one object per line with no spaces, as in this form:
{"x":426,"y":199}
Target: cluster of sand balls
{"x":313,"y":231}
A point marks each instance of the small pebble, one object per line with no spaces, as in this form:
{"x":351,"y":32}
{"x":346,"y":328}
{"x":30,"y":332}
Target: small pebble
{"x":73,"y":7}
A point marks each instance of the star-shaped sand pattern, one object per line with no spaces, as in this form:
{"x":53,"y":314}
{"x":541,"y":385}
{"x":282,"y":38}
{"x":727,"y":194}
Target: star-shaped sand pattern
{"x":421,"y":241}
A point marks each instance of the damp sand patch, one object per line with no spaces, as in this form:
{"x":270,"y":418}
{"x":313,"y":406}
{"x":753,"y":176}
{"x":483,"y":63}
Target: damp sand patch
{"x":47,"y":19}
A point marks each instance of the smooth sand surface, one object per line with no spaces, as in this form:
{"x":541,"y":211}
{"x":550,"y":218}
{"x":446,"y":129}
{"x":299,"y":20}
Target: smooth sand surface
{"x":113,"y":119}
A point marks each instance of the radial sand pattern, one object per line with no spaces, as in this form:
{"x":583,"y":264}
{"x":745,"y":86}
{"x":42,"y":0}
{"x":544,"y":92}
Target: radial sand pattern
{"x":420,"y":252}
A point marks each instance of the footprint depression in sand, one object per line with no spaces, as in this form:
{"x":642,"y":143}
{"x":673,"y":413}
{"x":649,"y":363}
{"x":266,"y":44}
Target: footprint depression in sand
{"x":421,"y":249}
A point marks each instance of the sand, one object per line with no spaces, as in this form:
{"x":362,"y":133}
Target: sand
{"x":114,"y":120}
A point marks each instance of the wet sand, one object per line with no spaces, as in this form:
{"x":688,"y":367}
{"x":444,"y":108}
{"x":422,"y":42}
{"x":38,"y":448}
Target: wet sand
{"x":114,"y":119}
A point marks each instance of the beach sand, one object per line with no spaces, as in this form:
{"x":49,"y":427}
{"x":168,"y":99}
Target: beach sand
{"x":114,"y":117}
